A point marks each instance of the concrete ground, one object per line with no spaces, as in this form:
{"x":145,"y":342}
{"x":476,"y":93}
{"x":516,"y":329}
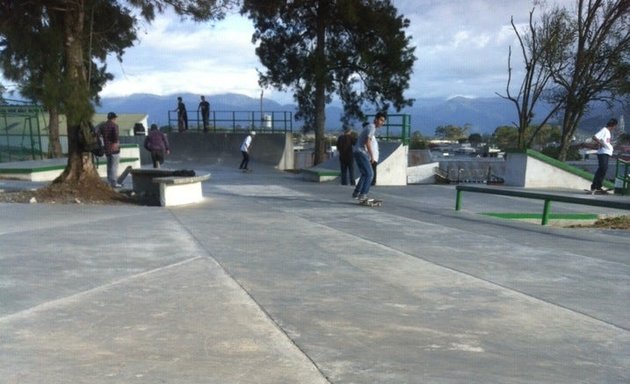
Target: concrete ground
{"x":275,"y":280}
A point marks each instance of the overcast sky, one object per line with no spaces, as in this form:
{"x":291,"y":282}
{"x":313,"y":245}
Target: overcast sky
{"x":461,"y":46}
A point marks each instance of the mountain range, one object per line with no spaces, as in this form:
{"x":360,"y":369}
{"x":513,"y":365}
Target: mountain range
{"x":481,"y":115}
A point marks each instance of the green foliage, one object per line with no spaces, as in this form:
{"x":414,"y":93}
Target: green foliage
{"x":506,"y":137}
{"x":356,"y":49}
{"x":475,"y":139}
{"x":55,"y":50}
{"x":418,"y":141}
{"x":450,"y":132}
{"x":554,"y":151}
{"x":540,"y":136}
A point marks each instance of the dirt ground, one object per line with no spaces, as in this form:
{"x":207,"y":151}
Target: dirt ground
{"x":92,"y":193}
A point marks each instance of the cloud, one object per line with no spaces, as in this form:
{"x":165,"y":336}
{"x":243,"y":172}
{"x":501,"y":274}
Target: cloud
{"x":461,"y":46}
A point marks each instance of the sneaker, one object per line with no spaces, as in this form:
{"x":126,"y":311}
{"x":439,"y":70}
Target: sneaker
{"x":117,"y":185}
{"x":363,"y":198}
{"x":355,"y":195}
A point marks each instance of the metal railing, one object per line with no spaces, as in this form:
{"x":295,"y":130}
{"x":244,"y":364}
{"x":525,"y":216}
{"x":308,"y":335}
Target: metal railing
{"x":622,"y":177}
{"x":234,"y":121}
{"x":397,"y":127}
{"x":20,"y":131}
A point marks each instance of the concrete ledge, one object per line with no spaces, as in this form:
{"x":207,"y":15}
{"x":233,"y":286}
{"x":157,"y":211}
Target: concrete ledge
{"x":166,"y":188}
{"x":50,"y":169}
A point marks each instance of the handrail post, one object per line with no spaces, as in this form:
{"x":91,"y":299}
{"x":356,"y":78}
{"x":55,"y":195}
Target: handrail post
{"x":546,"y":209}
{"x":458,"y":200}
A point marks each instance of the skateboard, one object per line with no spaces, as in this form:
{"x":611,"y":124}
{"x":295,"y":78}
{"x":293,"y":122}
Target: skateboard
{"x":597,"y":192}
{"x":123,"y":175}
{"x":371,"y":202}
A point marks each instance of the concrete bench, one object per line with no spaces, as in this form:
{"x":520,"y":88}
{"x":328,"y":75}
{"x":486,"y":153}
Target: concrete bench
{"x":167,"y":187}
{"x":320,"y":175}
{"x":546,"y":197}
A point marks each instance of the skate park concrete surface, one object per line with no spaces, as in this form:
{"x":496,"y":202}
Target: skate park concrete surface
{"x":272,"y":279}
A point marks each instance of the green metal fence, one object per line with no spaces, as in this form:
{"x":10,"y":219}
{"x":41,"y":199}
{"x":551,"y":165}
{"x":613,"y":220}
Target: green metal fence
{"x":397,"y":127}
{"x":21,"y":126}
{"x":234,"y":121}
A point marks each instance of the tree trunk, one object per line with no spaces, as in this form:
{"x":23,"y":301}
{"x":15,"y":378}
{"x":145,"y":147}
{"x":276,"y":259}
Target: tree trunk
{"x":78,"y":108}
{"x":320,"y":88}
{"x":54,"y":145}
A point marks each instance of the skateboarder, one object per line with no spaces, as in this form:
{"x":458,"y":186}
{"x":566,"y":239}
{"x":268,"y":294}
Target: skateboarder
{"x":604,"y":151}
{"x":245,"y":147}
{"x":364,"y":156}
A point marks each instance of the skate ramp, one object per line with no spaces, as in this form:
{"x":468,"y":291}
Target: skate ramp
{"x":392,"y":166}
{"x":275,"y":149}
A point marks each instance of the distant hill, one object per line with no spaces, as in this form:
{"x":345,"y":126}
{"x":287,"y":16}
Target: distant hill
{"x":483,"y":115}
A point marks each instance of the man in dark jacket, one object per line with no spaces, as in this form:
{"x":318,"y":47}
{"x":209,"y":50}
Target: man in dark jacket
{"x":111,"y":144}
{"x":346,"y":158}
{"x":156,"y":143}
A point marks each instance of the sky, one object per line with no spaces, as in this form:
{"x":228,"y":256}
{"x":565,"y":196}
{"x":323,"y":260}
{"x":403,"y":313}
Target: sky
{"x":461,"y":49}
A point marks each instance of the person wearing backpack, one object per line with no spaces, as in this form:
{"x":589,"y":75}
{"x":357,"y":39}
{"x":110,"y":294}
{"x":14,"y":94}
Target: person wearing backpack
{"x":111,"y":143}
{"x":156,"y":143}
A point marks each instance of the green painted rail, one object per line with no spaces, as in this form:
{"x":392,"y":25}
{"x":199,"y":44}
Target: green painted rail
{"x":546,"y":197}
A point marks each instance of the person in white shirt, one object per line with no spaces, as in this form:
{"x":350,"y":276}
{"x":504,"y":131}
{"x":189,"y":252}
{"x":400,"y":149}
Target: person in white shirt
{"x":604,"y":151}
{"x":245,"y":146}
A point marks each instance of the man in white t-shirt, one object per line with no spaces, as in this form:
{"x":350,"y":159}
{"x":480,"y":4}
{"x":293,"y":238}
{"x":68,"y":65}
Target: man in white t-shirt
{"x":604,"y":151}
{"x":364,"y":158}
{"x":245,"y":146}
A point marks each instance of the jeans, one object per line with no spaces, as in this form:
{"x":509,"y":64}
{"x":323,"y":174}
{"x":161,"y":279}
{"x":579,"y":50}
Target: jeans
{"x":600,"y":174}
{"x":112,"y":168}
{"x":363,"y":163}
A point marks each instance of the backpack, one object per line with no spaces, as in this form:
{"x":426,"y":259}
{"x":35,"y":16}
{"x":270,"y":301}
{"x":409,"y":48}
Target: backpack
{"x":90,"y":140}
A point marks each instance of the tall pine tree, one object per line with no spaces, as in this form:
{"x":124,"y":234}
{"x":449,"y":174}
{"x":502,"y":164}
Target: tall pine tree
{"x":354,"y":49}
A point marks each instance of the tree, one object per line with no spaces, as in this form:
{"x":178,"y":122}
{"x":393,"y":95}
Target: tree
{"x":451,"y":132}
{"x":540,"y":44}
{"x":598,"y":58}
{"x":69,"y":83}
{"x":506,"y":137}
{"x":475,"y":139}
{"x":33,"y":58}
{"x":355,"y":49}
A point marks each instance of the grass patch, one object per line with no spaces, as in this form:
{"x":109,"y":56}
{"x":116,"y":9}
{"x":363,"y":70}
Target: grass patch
{"x":538,"y":216}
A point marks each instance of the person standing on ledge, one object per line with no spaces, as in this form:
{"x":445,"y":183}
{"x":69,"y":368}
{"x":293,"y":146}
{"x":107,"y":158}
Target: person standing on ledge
{"x":182,"y":115}
{"x":604,"y":151}
{"x":204,"y":108}
{"x":245,"y":147}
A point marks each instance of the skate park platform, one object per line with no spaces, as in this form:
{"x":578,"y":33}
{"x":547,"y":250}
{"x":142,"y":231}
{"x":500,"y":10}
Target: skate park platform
{"x":272,"y":279}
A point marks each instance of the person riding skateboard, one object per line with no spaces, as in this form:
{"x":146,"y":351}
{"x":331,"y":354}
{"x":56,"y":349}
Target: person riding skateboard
{"x":364,"y":156}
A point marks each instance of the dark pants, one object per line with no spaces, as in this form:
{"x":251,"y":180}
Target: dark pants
{"x":206,"y":121}
{"x":374,"y":164}
{"x":347,"y":172}
{"x":600,"y":174}
{"x":157,"y":157}
{"x":245,"y":161}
